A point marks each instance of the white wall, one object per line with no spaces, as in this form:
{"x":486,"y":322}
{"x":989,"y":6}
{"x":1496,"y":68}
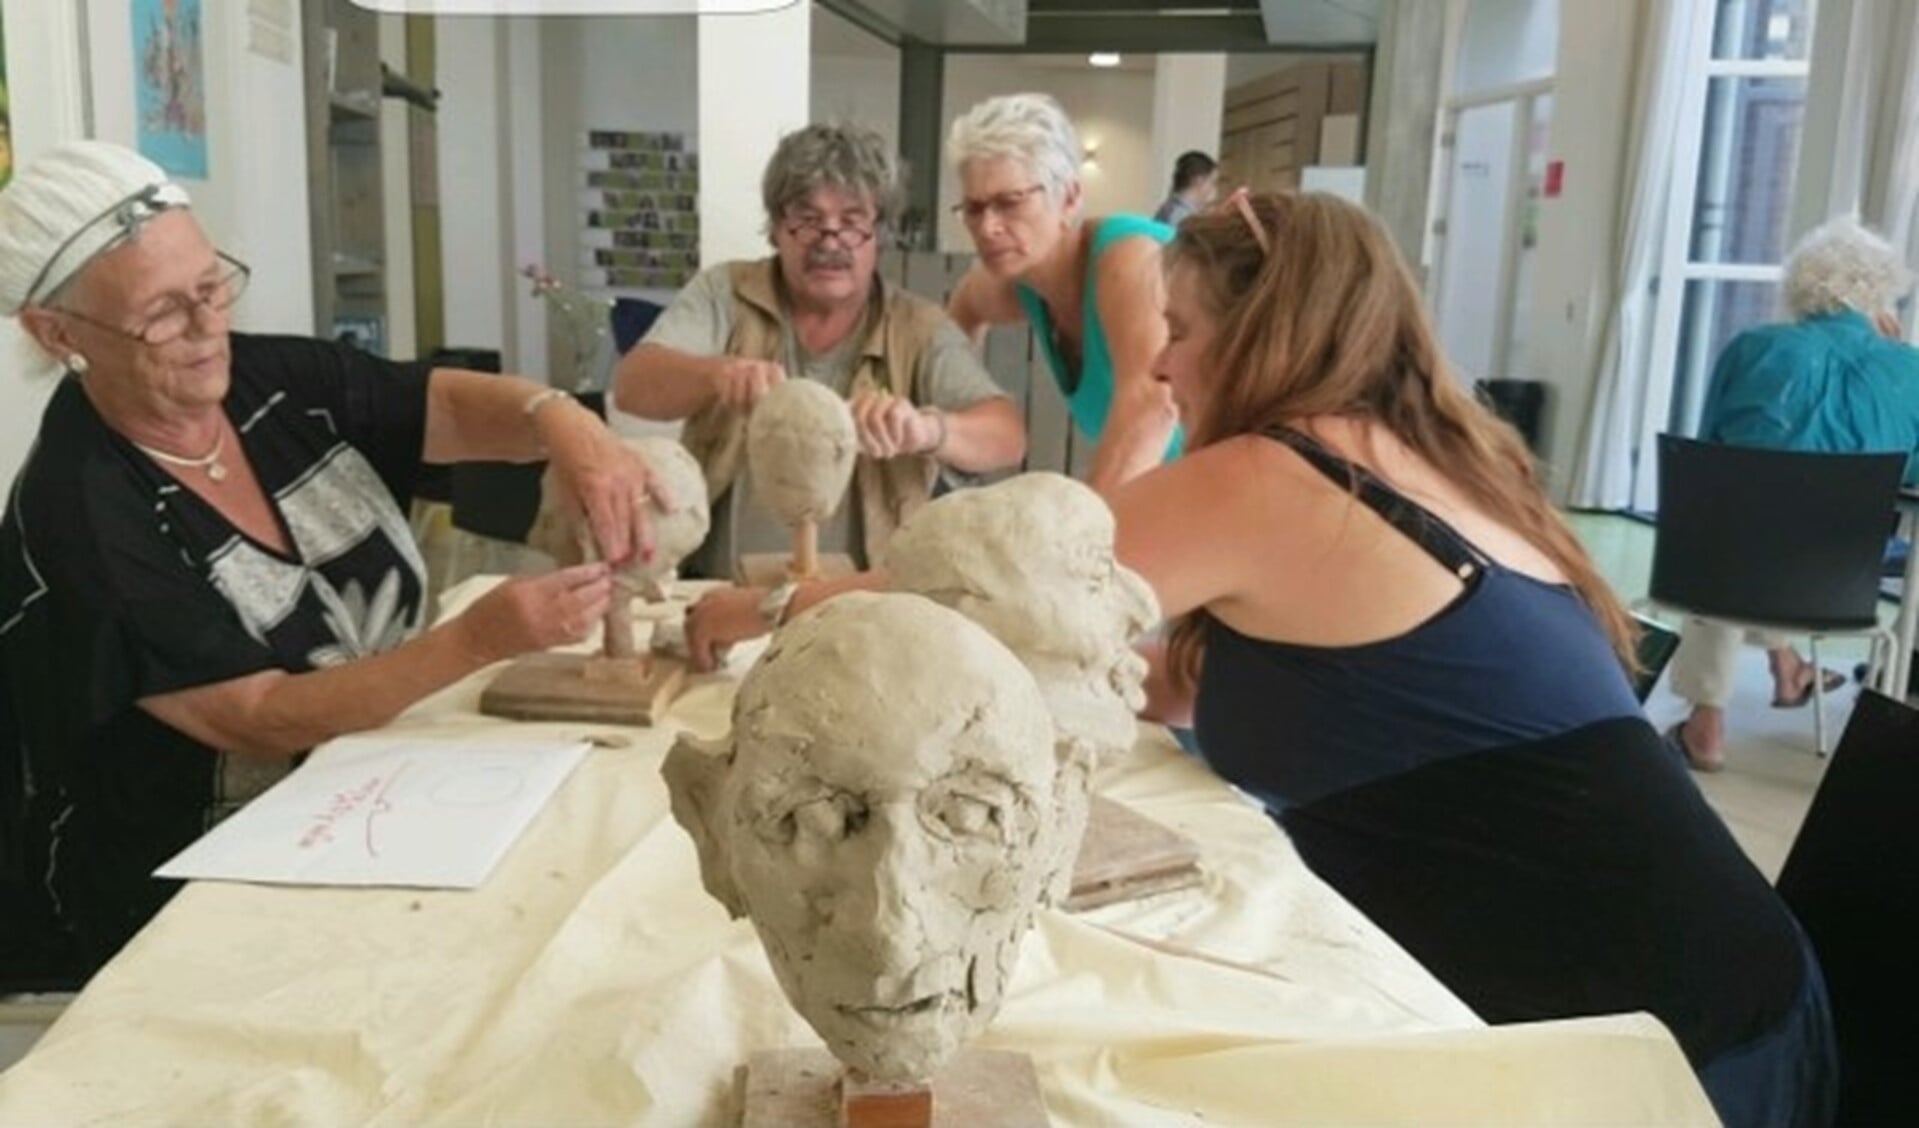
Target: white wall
{"x":1574,"y":278}
{"x":1111,"y":108}
{"x":1507,"y":41}
{"x":1189,"y":105}
{"x":396,"y":186}
{"x":753,"y":89}
{"x":469,"y":57}
{"x":253,"y":202}
{"x":855,"y":78}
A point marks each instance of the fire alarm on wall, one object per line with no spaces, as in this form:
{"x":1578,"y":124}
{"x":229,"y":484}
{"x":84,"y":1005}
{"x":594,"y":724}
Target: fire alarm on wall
{"x":1555,"y":177}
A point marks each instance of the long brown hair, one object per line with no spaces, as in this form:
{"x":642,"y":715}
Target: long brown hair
{"x":1330,"y":323}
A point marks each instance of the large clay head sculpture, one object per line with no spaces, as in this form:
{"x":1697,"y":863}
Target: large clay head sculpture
{"x":883,"y":814}
{"x":1031,"y":560}
{"x":800,"y":446}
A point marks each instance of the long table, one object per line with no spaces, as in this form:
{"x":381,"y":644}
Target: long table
{"x":591,"y":981}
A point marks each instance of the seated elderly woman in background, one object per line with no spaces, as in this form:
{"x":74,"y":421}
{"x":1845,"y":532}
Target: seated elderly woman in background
{"x":1088,"y":285}
{"x":1838,"y":379}
{"x":204,"y":565}
{"x":1388,"y":636}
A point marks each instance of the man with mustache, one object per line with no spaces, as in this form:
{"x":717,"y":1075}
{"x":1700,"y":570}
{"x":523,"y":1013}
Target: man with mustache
{"x":817,"y":310}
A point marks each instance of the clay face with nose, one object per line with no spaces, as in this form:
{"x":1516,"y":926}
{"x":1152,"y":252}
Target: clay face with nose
{"x":886,"y":821}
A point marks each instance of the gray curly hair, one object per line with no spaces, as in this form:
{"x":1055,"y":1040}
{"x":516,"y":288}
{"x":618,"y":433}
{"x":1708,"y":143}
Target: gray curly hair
{"x":850,"y":158}
{"x":1031,"y":130}
{"x":1841,"y":265}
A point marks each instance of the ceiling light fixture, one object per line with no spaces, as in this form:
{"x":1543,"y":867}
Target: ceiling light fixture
{"x":1103,"y":59}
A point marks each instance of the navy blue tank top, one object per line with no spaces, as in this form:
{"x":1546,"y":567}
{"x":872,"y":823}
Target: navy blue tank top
{"x":1486,"y":789}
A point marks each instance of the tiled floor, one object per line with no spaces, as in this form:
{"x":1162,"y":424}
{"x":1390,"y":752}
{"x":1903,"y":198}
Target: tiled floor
{"x":1771,"y":771}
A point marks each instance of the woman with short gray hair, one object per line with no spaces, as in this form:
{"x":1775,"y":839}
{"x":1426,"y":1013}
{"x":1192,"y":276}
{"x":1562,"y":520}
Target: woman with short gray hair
{"x":1089,"y":286}
{"x":1837,"y":378}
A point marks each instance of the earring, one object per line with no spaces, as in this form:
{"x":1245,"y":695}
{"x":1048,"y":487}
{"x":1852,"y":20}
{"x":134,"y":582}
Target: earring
{"x":76,"y":364}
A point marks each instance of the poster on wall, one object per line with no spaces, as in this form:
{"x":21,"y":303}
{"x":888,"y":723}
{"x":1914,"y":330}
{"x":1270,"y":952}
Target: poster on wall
{"x":6,"y":112}
{"x":169,"y":85}
{"x":640,"y":211}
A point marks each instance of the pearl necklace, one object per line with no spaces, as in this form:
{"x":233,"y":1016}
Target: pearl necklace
{"x":210,"y":461}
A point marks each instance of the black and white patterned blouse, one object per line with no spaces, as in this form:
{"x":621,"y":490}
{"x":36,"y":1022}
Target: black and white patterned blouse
{"x":118,"y":583}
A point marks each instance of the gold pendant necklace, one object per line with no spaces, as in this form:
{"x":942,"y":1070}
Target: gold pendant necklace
{"x":209,"y":462}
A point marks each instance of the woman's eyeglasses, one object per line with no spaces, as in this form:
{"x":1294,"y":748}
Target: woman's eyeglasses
{"x":176,"y":317}
{"x":1001,"y":204}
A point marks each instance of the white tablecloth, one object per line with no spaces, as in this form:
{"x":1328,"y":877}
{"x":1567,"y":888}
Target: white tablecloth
{"x":592,"y":982}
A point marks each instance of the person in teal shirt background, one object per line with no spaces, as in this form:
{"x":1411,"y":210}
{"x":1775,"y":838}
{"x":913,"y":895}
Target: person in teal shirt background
{"x":1837,"y":379}
{"x":1090,"y":287}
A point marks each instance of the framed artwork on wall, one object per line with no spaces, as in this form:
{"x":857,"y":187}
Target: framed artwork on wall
{"x":169,"y":85}
{"x":6,"y":112}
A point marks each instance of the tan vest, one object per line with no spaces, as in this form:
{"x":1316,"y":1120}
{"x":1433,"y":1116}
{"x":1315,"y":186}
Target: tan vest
{"x":899,"y":329}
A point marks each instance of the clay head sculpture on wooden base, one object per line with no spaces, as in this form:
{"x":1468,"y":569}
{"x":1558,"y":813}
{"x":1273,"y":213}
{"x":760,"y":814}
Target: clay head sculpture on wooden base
{"x":884,"y":812}
{"x":800,"y":449}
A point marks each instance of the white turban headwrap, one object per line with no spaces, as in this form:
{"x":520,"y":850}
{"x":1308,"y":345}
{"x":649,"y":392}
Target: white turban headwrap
{"x":67,"y":207}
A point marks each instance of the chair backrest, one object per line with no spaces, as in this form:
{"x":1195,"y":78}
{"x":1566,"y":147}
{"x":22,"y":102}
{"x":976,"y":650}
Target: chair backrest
{"x":1852,"y":879}
{"x":1774,"y":536}
{"x":632,"y":317}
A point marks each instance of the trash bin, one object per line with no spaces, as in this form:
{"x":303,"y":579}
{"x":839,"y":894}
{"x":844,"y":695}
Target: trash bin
{"x":1519,"y":402}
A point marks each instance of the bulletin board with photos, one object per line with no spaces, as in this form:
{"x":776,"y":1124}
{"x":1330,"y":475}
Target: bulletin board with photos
{"x":640,"y":220}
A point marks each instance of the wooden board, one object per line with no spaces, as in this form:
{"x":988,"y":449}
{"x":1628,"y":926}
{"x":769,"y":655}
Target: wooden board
{"x":768,"y":569}
{"x":555,"y":687}
{"x":800,"y":1089}
{"x":1126,"y":856}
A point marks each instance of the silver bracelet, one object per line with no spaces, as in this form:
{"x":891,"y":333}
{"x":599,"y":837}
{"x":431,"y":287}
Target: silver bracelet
{"x":541,"y":398}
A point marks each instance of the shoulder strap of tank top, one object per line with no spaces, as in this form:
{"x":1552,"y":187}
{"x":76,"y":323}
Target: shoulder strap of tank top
{"x":1418,"y":524}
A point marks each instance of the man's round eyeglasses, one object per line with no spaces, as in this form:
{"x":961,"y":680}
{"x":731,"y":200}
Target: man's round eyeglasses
{"x":810,"y":231}
{"x":173,"y":321}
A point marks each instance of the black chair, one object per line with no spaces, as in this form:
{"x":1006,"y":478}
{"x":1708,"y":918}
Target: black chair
{"x":1778,"y":541}
{"x":1852,"y":879}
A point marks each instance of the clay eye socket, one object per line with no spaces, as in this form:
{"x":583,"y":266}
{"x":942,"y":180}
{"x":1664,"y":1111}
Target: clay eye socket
{"x":820,"y":818}
{"x":965,"y":816}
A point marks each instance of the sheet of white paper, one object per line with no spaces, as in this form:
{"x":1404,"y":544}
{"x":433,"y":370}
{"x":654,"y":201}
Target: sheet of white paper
{"x":386,"y":810}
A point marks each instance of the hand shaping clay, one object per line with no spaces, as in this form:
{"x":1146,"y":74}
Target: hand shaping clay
{"x":1031,"y":560}
{"x":560,"y":530}
{"x":883,"y":812}
{"x":800,"y":446}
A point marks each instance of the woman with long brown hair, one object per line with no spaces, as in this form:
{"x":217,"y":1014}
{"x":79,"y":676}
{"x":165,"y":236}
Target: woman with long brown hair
{"x":1387,"y":635}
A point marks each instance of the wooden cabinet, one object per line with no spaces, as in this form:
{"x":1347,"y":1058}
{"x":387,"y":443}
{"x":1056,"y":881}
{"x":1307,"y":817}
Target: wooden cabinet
{"x":1275,"y":126}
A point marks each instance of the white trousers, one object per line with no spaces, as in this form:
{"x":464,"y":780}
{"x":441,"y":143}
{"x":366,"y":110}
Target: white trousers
{"x":1702,"y":669}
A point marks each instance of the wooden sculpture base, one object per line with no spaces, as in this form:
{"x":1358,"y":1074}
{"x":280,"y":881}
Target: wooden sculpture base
{"x":771,"y":569}
{"x":581,"y":687}
{"x":810,"y":1089}
{"x":1126,"y":856}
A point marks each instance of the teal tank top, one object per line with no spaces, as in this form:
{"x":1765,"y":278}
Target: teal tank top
{"x":1089,"y":395}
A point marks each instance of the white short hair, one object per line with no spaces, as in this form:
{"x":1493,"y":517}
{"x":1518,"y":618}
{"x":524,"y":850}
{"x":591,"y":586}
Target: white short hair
{"x":1841,"y":265}
{"x":1028,"y":129}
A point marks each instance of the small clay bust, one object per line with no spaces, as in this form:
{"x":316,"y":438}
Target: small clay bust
{"x":884,"y":812}
{"x":1031,"y":560}
{"x":680,"y":527}
{"x":800,"y":447}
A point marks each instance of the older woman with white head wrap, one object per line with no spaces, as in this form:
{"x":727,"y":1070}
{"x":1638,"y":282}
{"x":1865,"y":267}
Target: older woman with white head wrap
{"x":1836,"y":378}
{"x":1089,"y":286}
{"x":204,"y":566}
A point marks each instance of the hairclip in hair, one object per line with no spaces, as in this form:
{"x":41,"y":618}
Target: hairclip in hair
{"x":1244,"y":205}
{"x":127,"y":217}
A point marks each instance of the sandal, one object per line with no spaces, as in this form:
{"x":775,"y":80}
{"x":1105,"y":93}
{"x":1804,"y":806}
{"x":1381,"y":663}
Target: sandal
{"x":1675,"y":740}
{"x":1834,"y":680}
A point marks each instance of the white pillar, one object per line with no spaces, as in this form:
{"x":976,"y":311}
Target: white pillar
{"x":753,"y":80}
{"x":1189,"y":105}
